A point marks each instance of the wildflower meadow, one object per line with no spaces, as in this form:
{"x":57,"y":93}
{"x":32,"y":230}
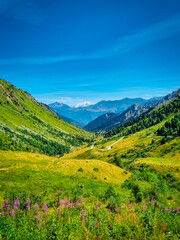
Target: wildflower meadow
{"x":68,"y":219}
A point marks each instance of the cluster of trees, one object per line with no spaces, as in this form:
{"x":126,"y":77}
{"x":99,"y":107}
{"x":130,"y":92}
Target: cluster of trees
{"x":171,"y":128}
{"x":146,"y":120}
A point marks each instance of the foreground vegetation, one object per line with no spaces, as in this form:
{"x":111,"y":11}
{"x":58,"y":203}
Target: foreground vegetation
{"x":69,"y":219}
{"x":125,"y":185}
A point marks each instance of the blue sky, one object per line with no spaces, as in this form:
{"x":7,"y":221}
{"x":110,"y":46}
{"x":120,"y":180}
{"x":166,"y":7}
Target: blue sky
{"x":78,"y":51}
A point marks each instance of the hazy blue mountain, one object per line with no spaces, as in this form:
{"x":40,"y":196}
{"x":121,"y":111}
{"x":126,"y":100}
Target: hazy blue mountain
{"x":96,"y":123}
{"x":89,"y":113}
{"x":130,"y":113}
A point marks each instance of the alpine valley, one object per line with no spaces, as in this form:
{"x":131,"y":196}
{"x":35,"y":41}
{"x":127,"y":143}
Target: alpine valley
{"x":118,"y":178}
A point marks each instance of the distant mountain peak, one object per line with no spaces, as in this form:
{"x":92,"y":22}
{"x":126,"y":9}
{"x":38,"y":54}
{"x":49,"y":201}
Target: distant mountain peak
{"x":84,"y":104}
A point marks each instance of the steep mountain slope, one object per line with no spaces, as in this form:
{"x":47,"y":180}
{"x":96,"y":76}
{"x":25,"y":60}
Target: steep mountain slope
{"x":131,"y":113}
{"x":28,"y":125}
{"x":152,"y":117}
{"x":96,"y":123}
{"x":72,"y":122}
{"x":87,"y":114}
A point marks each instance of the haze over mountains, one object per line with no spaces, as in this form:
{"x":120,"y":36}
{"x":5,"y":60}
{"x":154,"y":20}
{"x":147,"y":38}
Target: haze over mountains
{"x":84,"y":115}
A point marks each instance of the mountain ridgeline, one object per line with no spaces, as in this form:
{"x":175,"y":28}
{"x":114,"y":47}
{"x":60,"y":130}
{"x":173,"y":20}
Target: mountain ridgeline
{"x":27,"y":125}
{"x":168,"y":112}
{"x":104,"y":124}
{"x":86,"y":114}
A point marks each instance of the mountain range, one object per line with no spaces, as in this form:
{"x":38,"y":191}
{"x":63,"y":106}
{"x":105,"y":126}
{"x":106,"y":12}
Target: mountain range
{"x":109,"y":121}
{"x":84,"y":115}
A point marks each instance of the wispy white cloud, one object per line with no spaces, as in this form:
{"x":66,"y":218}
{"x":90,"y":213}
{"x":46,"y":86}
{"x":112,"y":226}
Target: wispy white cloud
{"x":156,"y":32}
{"x":27,"y":11}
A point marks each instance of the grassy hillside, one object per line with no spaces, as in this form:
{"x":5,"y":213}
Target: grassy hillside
{"x":28,"y":125}
{"x":125,"y":185}
{"x":151,"y":155}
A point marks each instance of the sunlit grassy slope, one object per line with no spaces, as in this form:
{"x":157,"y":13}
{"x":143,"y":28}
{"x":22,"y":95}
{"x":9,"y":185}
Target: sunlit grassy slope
{"x":36,"y":172}
{"x":27,"y":125}
{"x":144,"y":146}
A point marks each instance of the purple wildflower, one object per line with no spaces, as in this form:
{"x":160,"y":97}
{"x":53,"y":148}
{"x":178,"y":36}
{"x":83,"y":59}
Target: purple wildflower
{"x":28,"y":204}
{"x":144,"y":207}
{"x":153,"y":202}
{"x":83,"y":212}
{"x":77,"y":203}
{"x":28,"y":201}
{"x":166,"y":209}
{"x":6,"y":201}
{"x":17,"y":202}
{"x":36,"y":206}
{"x":117,"y":209}
{"x":95,"y":226}
{"x":131,"y":206}
{"x":72,"y":205}
{"x":3,"y":206}
{"x":118,"y":216}
{"x":45,"y":207}
{"x":81,"y":199}
{"x":60,"y":208}
{"x":12,"y":213}
{"x":3,"y":214}
{"x":61,"y":202}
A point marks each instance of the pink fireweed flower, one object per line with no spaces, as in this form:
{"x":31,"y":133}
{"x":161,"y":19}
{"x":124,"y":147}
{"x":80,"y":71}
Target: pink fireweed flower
{"x":12,"y":213}
{"x":117,"y":209}
{"x":3,"y":214}
{"x":144,"y":207}
{"x":17,"y":202}
{"x":3,"y":206}
{"x":6,"y":201}
{"x":77,"y":203}
{"x":36,"y":206}
{"x":60,"y":208}
{"x":81,"y":199}
{"x":131,"y":206}
{"x":153,"y":202}
{"x":28,"y":204}
{"x":118,"y":216}
{"x":38,"y":217}
{"x":166,"y":209}
{"x":61,"y":202}
{"x":45,"y":207}
{"x":8,"y":207}
{"x":72,"y":205}
{"x":95,"y":226}
{"x":83,"y":212}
